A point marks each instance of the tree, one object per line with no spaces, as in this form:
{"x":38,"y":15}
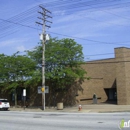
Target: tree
{"x":2,"y":68}
{"x":16,"y":71}
{"x":63,"y":59}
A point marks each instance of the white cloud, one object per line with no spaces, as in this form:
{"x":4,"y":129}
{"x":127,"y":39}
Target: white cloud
{"x":6,"y":43}
{"x":12,"y":42}
{"x":56,"y":13}
{"x":111,"y":17}
{"x":92,"y":24}
{"x":89,"y":35}
{"x":75,"y":16}
{"x":20,"y":48}
{"x":96,"y":20}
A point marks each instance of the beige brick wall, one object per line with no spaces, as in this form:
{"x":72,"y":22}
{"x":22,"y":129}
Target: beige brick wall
{"x":108,"y":73}
{"x":123,"y":75}
{"x":103,"y":75}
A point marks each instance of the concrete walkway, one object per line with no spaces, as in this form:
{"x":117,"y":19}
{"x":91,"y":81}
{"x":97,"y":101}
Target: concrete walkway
{"x":85,"y":109}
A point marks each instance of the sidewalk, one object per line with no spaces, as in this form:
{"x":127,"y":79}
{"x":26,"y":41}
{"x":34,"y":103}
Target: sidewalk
{"x":98,"y":108}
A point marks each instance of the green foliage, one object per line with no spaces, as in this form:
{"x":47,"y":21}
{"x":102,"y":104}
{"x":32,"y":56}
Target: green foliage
{"x":63,"y":59}
{"x":16,"y":70}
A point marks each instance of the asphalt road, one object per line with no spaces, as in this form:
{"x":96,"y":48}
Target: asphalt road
{"x":61,"y":121}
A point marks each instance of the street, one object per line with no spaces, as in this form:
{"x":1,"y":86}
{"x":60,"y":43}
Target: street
{"x":14,"y":120}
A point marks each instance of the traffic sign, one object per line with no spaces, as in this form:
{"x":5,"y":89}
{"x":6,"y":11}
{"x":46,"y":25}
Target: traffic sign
{"x":39,"y":89}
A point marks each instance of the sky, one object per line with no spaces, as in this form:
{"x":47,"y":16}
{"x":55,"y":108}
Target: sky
{"x":99,"y":26}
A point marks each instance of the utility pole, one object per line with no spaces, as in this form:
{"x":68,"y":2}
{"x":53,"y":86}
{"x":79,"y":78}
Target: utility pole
{"x":45,"y":15}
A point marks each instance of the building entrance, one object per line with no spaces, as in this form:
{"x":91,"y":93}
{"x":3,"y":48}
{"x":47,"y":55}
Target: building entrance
{"x":111,"y":95}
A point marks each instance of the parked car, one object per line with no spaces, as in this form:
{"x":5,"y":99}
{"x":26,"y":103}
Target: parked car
{"x":4,"y":104}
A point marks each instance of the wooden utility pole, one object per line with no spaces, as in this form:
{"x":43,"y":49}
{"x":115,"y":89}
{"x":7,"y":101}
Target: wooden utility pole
{"x":45,"y":15}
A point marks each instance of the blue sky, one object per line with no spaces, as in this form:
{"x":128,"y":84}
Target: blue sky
{"x":98,"y":26}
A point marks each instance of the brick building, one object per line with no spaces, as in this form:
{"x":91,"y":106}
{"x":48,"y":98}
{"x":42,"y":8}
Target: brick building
{"x":110,"y":79}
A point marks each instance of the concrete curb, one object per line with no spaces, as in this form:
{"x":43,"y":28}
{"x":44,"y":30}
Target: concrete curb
{"x":85,"y":109}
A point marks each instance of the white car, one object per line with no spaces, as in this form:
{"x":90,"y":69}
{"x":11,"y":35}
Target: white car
{"x":4,"y":104}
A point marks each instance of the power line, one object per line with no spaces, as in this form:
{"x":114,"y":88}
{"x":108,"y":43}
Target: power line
{"x":26,"y":17}
{"x":17,"y":23}
{"x":94,"y":62}
{"x":90,"y":7}
{"x":29,"y":9}
{"x":67,"y":35}
{"x":117,"y":15}
{"x":104,"y":62}
{"x":101,"y":42}
{"x":100,"y":54}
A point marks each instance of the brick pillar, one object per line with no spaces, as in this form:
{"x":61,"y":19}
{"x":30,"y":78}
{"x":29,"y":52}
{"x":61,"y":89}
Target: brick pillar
{"x":122,"y":57}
